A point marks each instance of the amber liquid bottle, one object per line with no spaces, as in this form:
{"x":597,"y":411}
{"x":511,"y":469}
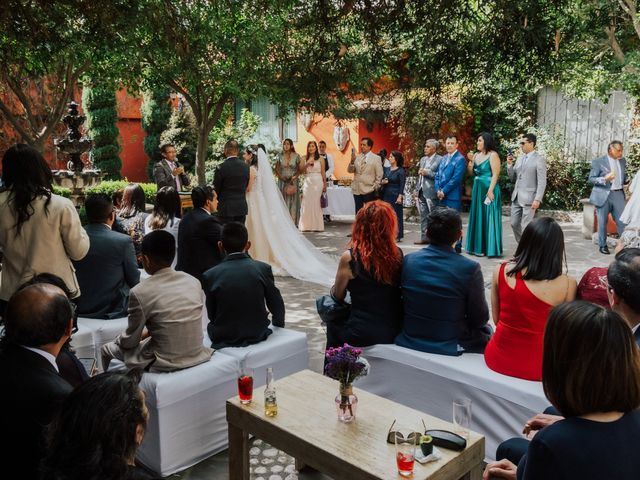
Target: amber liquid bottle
{"x":270,"y":403}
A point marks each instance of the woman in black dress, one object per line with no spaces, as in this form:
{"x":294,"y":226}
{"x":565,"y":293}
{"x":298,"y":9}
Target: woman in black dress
{"x":393,"y":181}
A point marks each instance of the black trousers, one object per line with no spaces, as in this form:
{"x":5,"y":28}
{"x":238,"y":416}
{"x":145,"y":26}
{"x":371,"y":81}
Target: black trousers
{"x":360,"y":200}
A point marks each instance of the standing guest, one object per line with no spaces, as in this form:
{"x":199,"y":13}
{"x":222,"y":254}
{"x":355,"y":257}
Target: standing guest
{"x":329,"y":166}
{"x":448,"y":182}
{"x":164,"y":330}
{"x":523,"y":292}
{"x":484,"y":234}
{"x":239,"y":291}
{"x":198,"y":234}
{"x":427,"y":170}
{"x":133,"y":215}
{"x":110,"y":268}
{"x":591,"y":374}
{"x":445,"y":310}
{"x":315,"y":183}
{"x":608,"y":176}
{"x":288,"y":170}
{"x":98,"y":430}
{"x":167,"y":211}
{"x":530,"y":177}
{"x":230,"y":181}
{"x":168,"y":172}
{"x":370,"y":272}
{"x":383,"y":156}
{"x":367,"y":173}
{"x":393,"y":193}
{"x":39,"y":231}
{"x":38,"y":322}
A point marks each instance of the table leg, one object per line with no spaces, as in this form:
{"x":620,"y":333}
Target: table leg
{"x":238,"y":453}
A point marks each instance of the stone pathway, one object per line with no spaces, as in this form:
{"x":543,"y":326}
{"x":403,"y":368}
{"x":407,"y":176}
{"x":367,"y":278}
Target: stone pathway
{"x":268,"y":463}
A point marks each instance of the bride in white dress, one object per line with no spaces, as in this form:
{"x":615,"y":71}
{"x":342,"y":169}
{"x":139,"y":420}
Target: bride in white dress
{"x":273,"y":235}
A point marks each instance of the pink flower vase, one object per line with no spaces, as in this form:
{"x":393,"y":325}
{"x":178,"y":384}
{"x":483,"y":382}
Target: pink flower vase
{"x":346,"y":404}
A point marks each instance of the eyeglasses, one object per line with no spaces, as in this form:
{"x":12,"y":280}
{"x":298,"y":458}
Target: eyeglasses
{"x":523,"y":142}
{"x":413,"y":437}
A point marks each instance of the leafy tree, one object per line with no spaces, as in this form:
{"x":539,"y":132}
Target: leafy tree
{"x":156,"y":111}
{"x":99,"y":103}
{"x":182,"y":133}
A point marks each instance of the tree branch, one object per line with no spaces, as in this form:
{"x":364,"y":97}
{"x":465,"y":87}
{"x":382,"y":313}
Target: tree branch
{"x":613,"y":43}
{"x":629,"y":7}
{"x":16,"y":88}
{"x":211,"y":122}
{"x":194,"y":106}
{"x":70,"y":78}
{"x":15,"y":122}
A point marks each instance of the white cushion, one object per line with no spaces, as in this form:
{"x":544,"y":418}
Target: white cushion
{"x":82,"y":342}
{"x":104,"y":331}
{"x":430,"y":382}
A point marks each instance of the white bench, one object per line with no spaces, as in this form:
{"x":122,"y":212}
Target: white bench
{"x":187,"y":408}
{"x":82,"y":342}
{"x":103,"y":331}
{"x":430,"y":382}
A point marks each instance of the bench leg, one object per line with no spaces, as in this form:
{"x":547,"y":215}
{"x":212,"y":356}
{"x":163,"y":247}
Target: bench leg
{"x":238,"y":453}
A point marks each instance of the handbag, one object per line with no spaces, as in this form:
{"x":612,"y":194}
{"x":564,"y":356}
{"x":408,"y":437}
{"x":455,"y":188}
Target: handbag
{"x":290,"y":189}
{"x":331,"y":310}
{"x":324,"y":200}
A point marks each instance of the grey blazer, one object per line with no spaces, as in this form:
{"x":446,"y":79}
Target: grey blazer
{"x":599,"y":169}
{"x":530,"y":177}
{"x":427,"y":183}
{"x":164,"y":178}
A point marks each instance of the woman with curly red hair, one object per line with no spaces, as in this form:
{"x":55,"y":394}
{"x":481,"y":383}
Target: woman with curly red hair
{"x":370,"y":272}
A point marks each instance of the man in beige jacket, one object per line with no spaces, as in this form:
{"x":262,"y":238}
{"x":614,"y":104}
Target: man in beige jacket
{"x":367,"y":173}
{"x":165,"y":315}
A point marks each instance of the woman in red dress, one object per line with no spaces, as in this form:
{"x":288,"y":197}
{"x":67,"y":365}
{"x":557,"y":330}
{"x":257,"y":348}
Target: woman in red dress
{"x":523,"y":292}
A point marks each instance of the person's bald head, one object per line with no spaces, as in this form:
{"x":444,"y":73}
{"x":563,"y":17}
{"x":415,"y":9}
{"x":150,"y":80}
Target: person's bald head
{"x":38,"y":315}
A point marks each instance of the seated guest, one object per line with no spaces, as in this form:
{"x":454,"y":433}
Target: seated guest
{"x":166,"y":214}
{"x":591,"y":374}
{"x":110,"y":268}
{"x":165,"y":315}
{"x":198,"y":234}
{"x":445,"y":310}
{"x":237,"y":290}
{"x":98,"y":430}
{"x":623,"y":279}
{"x":37,"y":323}
{"x":523,"y":292}
{"x":370,"y":272}
{"x":132,"y":214}
{"x":592,"y":286}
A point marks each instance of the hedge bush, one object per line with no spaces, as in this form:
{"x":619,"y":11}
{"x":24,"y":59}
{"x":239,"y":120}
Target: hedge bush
{"x":111,"y":186}
{"x":62,"y":191}
{"x":182,"y":133}
{"x":156,"y":112}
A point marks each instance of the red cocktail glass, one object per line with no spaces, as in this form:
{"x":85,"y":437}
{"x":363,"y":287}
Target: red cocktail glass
{"x":245,"y":386}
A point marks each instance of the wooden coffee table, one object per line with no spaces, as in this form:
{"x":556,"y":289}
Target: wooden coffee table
{"x":307,"y":428}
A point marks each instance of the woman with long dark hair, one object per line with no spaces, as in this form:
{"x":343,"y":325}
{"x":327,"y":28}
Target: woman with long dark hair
{"x":523,"y":292}
{"x":315,"y":182}
{"x":132,"y":214}
{"x":288,"y":170}
{"x":39,"y":230}
{"x":484,"y":234}
{"x":393,"y":193}
{"x":370,"y":272}
{"x":98,"y":430}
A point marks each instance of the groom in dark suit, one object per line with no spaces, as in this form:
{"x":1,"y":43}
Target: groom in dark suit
{"x":230,"y":182}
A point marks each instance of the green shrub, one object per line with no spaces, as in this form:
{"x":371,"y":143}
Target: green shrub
{"x":62,"y":191}
{"x":182,"y":134}
{"x":156,"y":111}
{"x":111,"y":186}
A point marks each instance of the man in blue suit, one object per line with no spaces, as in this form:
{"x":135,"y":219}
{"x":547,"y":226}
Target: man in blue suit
{"x":445,"y":310}
{"x":110,"y":267}
{"x":448,"y":182}
{"x":608,"y":176}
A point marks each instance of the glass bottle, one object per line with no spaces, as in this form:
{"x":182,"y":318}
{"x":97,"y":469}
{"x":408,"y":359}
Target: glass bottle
{"x":270,"y":403}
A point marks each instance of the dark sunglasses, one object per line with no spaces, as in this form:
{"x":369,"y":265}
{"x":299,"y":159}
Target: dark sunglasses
{"x":522,"y":143}
{"x":413,"y":437}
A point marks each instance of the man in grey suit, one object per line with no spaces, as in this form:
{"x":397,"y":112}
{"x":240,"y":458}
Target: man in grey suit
{"x":608,"y":176}
{"x":530,"y":176}
{"x":425,"y":186}
{"x":110,"y":267}
{"x":168,"y":172}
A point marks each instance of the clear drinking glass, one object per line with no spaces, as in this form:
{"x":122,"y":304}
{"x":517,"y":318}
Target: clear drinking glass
{"x":462,"y":416}
{"x":405,"y":451}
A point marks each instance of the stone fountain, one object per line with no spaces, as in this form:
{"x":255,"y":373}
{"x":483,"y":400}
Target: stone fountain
{"x":74,"y":144}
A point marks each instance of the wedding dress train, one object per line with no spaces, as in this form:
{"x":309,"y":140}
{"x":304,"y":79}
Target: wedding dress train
{"x":274,"y":237}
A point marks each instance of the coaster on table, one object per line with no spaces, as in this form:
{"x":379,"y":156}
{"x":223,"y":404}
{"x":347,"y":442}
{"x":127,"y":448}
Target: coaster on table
{"x":422,"y":458}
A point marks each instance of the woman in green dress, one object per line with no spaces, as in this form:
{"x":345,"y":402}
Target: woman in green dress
{"x":288,"y":170}
{"x":484,"y":234}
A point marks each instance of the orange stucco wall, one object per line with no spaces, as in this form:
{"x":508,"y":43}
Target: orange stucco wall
{"x":134,"y":159}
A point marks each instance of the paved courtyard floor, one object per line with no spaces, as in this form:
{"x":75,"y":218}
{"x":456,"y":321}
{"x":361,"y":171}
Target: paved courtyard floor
{"x":268,"y":463}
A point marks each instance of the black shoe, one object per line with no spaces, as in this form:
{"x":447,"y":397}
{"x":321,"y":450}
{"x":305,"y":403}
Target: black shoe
{"x":604,"y":250}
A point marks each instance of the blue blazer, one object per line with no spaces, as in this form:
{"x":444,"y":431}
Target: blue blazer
{"x":449,"y":179}
{"x":445,"y":310}
{"x":599,"y":169}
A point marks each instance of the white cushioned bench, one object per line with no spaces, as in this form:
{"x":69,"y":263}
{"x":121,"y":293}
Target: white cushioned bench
{"x":430,"y":382}
{"x":187,"y":408}
{"x":82,"y":342}
{"x":103,"y":331}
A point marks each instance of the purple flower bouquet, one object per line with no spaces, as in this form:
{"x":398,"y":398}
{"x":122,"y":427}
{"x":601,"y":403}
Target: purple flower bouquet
{"x":345,"y":365}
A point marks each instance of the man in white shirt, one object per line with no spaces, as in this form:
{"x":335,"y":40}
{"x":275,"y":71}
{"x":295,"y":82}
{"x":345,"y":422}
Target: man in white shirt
{"x":168,"y":172}
{"x":425,"y":186}
{"x":328,"y":162}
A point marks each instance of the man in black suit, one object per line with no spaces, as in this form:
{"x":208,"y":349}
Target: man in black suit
{"x":237,"y":291}
{"x":38,"y":321}
{"x":623,"y":278}
{"x":198,"y":234}
{"x":110,"y":268}
{"x":230,"y":182}
{"x":168,"y":172}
